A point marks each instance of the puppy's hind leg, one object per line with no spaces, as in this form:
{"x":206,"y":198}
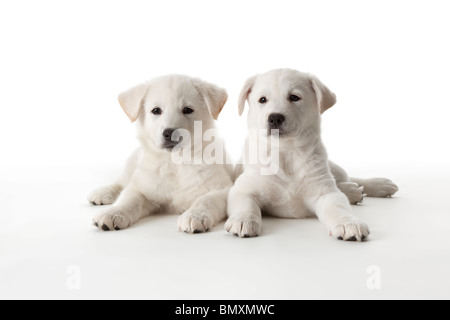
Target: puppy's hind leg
{"x":354,"y":192}
{"x":377,"y":187}
{"x":355,"y":189}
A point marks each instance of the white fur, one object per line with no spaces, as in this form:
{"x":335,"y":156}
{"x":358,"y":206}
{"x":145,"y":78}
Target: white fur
{"x":151,"y":182}
{"x":304,"y":186}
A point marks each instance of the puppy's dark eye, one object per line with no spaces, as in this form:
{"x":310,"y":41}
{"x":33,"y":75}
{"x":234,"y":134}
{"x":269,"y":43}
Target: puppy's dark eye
{"x":187,"y":110}
{"x":157,"y":111}
{"x":263,"y":100}
{"x":294,"y":98}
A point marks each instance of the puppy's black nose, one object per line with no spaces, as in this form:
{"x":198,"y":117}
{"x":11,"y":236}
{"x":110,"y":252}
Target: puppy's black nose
{"x":276,"y":120}
{"x":167,"y":134}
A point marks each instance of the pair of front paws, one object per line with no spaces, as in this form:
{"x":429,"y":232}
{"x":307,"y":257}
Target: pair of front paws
{"x":248,"y":225}
{"x":192,"y":221}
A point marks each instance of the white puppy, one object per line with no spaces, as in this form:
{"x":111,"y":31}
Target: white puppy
{"x":290,"y":103}
{"x":151,"y":181}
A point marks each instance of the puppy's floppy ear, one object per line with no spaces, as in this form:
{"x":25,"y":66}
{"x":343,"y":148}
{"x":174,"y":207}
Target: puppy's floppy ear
{"x":215,"y":97}
{"x":325,"y":97}
{"x":131,"y":100}
{"x":245,"y":93}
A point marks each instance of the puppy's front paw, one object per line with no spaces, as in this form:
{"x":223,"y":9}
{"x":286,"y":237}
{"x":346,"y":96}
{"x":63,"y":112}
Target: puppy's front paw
{"x":380,"y":188}
{"x":104,"y":195}
{"x":194,"y":221}
{"x":354,"y":193}
{"x":244,"y":226}
{"x":351,"y":230}
{"x":112,"y":219}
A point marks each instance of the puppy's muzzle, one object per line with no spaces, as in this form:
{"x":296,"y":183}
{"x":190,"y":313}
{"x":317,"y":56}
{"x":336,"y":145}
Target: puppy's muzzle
{"x":275,"y":122}
{"x":171,"y":139}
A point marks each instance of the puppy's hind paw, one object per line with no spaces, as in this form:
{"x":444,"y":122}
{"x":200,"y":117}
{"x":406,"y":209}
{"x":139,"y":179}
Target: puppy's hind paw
{"x":380,"y":188}
{"x":354,"y":193}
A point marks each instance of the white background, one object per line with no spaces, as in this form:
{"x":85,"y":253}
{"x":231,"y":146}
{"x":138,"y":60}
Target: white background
{"x":62,"y":65}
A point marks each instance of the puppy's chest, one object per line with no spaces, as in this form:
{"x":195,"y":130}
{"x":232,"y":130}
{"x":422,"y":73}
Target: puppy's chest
{"x":191,"y":181}
{"x":289,"y":191}
{"x":176,"y":184}
{"x":285,"y":199}
{"x":294,"y":174}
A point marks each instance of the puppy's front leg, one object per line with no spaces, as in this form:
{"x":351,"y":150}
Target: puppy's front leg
{"x":205,"y":212}
{"x":245,"y":218}
{"x":131,"y":207}
{"x":333,"y":210}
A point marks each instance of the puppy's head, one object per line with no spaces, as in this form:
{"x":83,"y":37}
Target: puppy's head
{"x":166,"y":105}
{"x":286,"y":100}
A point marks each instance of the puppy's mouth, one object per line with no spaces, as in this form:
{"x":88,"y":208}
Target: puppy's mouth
{"x":170,"y":145}
{"x":281,"y":132}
